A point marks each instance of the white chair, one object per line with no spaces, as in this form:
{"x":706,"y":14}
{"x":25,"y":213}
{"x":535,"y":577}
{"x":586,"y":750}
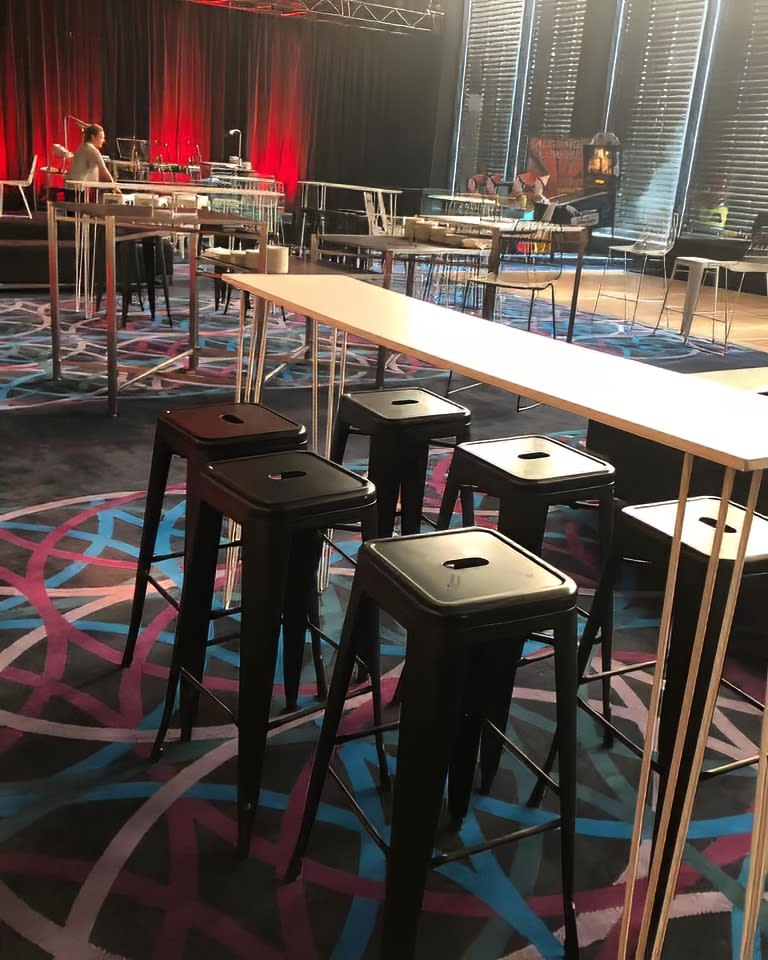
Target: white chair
{"x":21,"y":184}
{"x":183,"y":203}
{"x":725,"y":300}
{"x":647,"y":249}
{"x":695,"y":270}
{"x":530,"y":264}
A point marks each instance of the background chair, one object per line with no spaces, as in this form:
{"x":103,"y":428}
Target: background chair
{"x":726,"y":295}
{"x":530,"y":264}
{"x":636,"y":258}
{"x":21,"y":184}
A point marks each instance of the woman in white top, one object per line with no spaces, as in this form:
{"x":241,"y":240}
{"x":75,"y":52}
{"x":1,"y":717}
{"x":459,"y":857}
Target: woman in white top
{"x":87,"y":162}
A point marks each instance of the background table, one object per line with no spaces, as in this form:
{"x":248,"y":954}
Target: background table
{"x":138,"y":223}
{"x":566,"y":238}
{"x":390,"y":249}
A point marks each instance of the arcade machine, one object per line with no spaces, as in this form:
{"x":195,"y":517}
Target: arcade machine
{"x":594,"y":205}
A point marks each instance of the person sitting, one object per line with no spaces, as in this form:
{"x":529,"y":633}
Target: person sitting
{"x":87,"y":164}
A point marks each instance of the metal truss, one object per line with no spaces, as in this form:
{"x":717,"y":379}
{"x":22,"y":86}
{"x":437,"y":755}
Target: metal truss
{"x":360,"y":13}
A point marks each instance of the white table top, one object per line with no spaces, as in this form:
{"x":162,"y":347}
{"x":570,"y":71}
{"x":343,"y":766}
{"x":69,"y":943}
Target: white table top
{"x":502,"y":225}
{"x":706,"y":419}
{"x":476,"y":198}
{"x":152,"y":186}
{"x":398,"y":246}
{"x":575,"y":236}
{"x":345,"y":186}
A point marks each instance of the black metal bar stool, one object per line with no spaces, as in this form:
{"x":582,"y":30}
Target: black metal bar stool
{"x":645,"y":532}
{"x":153,"y":267}
{"x":459,"y":594}
{"x":200,"y":435}
{"x":283,"y":502}
{"x":400,"y":423}
{"x":528,"y":475}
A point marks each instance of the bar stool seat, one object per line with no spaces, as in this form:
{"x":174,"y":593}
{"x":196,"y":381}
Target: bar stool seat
{"x":528,"y":475}
{"x":646,"y":531}
{"x":283,"y":503}
{"x":200,"y":435}
{"x":459,"y":594}
{"x":400,"y":423}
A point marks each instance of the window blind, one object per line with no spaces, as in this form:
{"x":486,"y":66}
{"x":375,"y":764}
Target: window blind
{"x":729,"y":179}
{"x":553,"y":71}
{"x":659,"y":50}
{"x":492,"y":52}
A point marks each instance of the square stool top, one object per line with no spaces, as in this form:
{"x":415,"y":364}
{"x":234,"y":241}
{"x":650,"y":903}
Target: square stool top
{"x":537,"y":459}
{"x":471,"y":570}
{"x":406,"y":404}
{"x":231,"y":421}
{"x":292,"y":481}
{"x":699,"y":527}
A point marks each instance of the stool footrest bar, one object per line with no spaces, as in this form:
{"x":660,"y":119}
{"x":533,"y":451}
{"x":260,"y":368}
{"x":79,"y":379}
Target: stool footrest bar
{"x":523,"y":757}
{"x":443,"y":858}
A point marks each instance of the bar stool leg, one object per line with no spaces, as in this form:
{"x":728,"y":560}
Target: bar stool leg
{"x":334,"y":709}
{"x":690,"y":583}
{"x":191,"y":629}
{"x":316,"y":642}
{"x":306,"y":547}
{"x":148,"y":257}
{"x":467,"y":496}
{"x":566,"y":681}
{"x":461,"y":773}
{"x":606,"y":524}
{"x":453,"y":489}
{"x":383,"y":454}
{"x":154,"y":253}
{"x":264,"y":570}
{"x":450,"y":493}
{"x":414,"y":477}
{"x":429,"y":723}
{"x":158,"y":479}
{"x":600,"y":620}
{"x":502,"y":668}
{"x":339,"y":437}
{"x":524,"y":526}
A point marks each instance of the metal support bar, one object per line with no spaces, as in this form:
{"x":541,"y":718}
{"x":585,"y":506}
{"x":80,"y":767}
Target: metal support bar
{"x":356,"y":12}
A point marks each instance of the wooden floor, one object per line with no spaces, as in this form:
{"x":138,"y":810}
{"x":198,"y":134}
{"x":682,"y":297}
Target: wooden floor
{"x":749,"y":325}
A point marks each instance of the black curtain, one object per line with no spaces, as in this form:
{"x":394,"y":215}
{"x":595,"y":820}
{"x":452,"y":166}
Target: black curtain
{"x":376,"y":106}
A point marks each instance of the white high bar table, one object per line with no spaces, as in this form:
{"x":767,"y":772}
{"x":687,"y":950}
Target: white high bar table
{"x":700,"y":418}
{"x":142,"y":222}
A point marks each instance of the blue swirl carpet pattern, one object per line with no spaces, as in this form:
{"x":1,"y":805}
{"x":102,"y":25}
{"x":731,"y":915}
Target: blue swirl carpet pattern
{"x":105,"y":855}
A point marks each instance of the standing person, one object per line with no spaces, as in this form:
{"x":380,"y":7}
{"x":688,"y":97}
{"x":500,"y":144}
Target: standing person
{"x":87,"y":162}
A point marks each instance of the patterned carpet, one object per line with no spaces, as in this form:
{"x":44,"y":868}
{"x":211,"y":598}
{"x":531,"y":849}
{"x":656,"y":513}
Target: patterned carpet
{"x":103,"y":854}
{"x":25,"y":348}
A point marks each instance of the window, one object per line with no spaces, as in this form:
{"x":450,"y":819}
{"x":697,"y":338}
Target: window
{"x":682,"y":83}
{"x":553,"y":71}
{"x":729,"y":179}
{"x":660,"y":43}
{"x":492,"y":59}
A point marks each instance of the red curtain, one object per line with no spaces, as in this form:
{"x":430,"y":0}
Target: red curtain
{"x":281,"y":108}
{"x":50,"y":70}
{"x":186,"y":89}
{"x":313,"y":100}
{"x":213,"y":70}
